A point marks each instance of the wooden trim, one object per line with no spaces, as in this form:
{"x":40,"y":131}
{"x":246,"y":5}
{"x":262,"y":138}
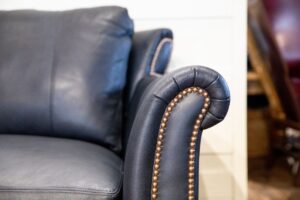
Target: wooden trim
{"x":259,"y":64}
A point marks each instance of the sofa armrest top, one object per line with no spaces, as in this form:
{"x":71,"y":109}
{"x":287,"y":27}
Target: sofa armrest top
{"x":163,"y":149}
{"x":150,"y":55}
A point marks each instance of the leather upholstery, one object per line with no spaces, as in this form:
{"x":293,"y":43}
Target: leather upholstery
{"x":63,"y":73}
{"x":143,"y":60}
{"x":176,"y":142}
{"x":151,"y":49}
{"x":44,"y":168}
{"x":132,"y":107}
{"x":142,"y":141}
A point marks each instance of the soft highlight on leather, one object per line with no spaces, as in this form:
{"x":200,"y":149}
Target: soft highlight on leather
{"x":35,"y":168}
{"x":63,"y":73}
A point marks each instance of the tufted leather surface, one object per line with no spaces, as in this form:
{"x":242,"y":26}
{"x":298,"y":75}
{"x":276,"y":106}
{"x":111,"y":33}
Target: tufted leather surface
{"x":63,"y":73}
{"x":142,"y":140}
{"x":36,"y":168}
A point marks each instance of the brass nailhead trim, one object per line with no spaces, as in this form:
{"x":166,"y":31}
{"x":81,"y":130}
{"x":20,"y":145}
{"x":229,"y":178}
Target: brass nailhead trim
{"x":193,"y":140}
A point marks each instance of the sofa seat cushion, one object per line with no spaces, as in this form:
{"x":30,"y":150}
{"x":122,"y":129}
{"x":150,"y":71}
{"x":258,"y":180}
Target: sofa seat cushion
{"x":45,"y":168}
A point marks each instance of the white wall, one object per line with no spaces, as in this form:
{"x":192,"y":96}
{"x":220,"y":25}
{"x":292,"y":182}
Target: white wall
{"x":206,"y":32}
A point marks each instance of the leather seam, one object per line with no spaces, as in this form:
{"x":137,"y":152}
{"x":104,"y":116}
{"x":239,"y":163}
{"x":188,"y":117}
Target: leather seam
{"x":178,"y":87}
{"x":157,"y":53}
{"x":163,"y":100}
{"x":65,"y":189}
{"x":73,"y":192}
{"x":194,"y":78}
{"x":218,"y":118}
{"x":114,"y":192}
{"x":225,"y":99}
{"x":53,"y":71}
{"x":218,"y":77}
{"x":192,"y":145}
{"x":51,"y":91}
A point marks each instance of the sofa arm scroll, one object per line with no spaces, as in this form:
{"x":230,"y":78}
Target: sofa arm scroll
{"x":162,"y":154}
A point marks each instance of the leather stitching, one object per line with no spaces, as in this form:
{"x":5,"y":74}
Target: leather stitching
{"x":72,"y":192}
{"x":68,"y":189}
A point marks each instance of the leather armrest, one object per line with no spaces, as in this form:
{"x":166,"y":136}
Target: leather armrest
{"x":150,"y":55}
{"x":161,"y":159}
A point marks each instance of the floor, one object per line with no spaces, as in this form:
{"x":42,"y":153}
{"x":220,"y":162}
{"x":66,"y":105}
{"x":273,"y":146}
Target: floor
{"x":271,"y":184}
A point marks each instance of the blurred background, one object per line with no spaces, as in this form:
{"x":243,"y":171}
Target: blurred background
{"x":274,"y":99}
{"x":254,"y":154}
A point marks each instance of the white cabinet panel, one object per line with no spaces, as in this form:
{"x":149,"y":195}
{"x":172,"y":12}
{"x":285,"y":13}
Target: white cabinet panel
{"x":205,"y":42}
{"x":216,"y":180}
{"x":218,"y":139}
{"x":155,"y":9}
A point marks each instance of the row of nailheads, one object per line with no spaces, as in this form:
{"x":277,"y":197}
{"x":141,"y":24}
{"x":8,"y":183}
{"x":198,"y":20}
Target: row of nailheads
{"x":192,"y":147}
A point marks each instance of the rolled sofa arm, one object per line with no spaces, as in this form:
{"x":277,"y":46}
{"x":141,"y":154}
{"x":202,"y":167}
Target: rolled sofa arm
{"x":162,"y":154}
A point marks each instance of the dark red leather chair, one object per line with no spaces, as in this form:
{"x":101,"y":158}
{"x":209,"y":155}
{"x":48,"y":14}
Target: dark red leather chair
{"x":284,"y":20}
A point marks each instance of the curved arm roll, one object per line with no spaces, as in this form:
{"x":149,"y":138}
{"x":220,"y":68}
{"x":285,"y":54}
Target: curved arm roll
{"x":162,"y":154}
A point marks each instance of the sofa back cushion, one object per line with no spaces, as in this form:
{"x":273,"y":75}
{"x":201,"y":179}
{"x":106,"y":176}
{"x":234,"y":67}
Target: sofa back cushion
{"x":63,"y":73}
